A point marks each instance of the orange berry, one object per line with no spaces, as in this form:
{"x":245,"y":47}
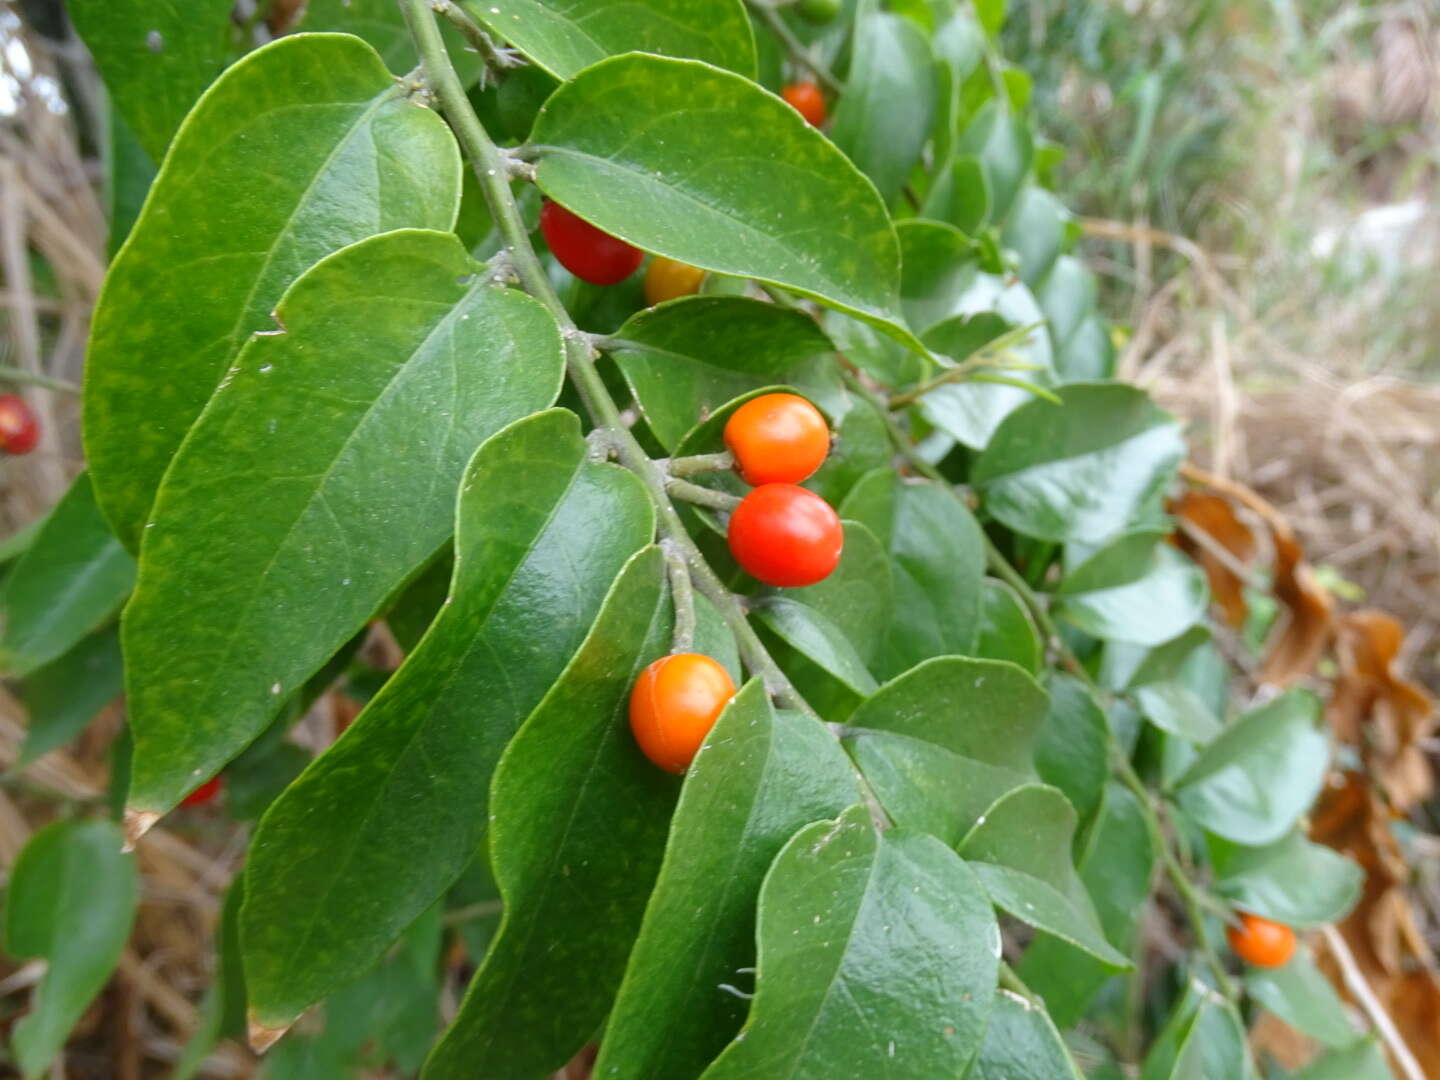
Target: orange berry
{"x":777,"y":439}
{"x":1261,"y":942}
{"x":807,"y":100}
{"x":674,"y":704}
{"x":666,"y":279}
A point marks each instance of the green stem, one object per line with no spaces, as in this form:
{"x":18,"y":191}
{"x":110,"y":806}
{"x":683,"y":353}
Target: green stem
{"x":492,"y":173}
{"x":771,"y":18}
{"x":700,"y":463}
{"x":701,"y":496}
{"x":992,"y":355}
{"x":30,"y":378}
{"x":683,"y":591}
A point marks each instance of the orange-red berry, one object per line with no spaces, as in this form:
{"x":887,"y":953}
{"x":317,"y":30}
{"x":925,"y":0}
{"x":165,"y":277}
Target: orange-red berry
{"x":666,"y":279}
{"x":777,"y":439}
{"x":674,"y":704}
{"x":785,"y":535}
{"x":1261,"y":942}
{"x":589,"y":253}
{"x":19,"y":428}
{"x":807,"y":100}
{"x":204,"y":793}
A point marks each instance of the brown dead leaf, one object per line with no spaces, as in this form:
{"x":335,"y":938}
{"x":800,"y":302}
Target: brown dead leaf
{"x":1214,"y":517}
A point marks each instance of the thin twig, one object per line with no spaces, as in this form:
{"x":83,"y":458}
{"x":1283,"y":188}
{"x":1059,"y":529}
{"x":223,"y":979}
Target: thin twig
{"x":1357,"y":984}
{"x":497,"y":60}
{"x":682,"y":592}
{"x":798,"y":53}
{"x":31,"y":378}
{"x":696,"y":464}
{"x":701,"y":496}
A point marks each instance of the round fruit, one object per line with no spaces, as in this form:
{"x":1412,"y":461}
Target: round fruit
{"x":818,"y":11}
{"x":777,"y":439}
{"x":204,"y":793}
{"x":785,"y":535}
{"x":667,"y":279}
{"x":674,"y":704}
{"x":19,"y":429}
{"x":589,"y":253}
{"x":1261,"y":942}
{"x":807,"y":100}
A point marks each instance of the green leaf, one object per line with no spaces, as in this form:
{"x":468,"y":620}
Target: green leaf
{"x":63,"y":696}
{"x":1116,"y":867}
{"x":992,"y":15}
{"x":1292,"y":880}
{"x":687,"y":358}
{"x":885,"y":114}
{"x":1001,"y":142}
{"x":959,"y":45}
{"x":852,"y":924}
{"x":70,"y":902}
{"x":302,"y":147}
{"x":1255,"y":780}
{"x":758,"y":779}
{"x":1072,"y":752}
{"x":325,"y":469}
{"x":1036,"y":232}
{"x":564,"y":36}
{"x":937,"y":268}
{"x":1167,"y":682}
{"x":72,"y":579}
{"x":1067,"y":296}
{"x":1078,"y":471}
{"x":987,"y":710}
{"x":1007,"y":632}
{"x":937,"y":562}
{"x":541,"y":533}
{"x":860,"y":443}
{"x":620,"y":146}
{"x":222,"y":1012}
{"x":1021,"y":1043}
{"x":1298,"y":994}
{"x":857,"y":596}
{"x":892,"y":363}
{"x":578,"y":823}
{"x":1021,"y":850}
{"x":382,"y":24}
{"x":1364,"y":1060}
{"x":816,"y":637}
{"x":960,"y":194}
{"x":1215,"y":1045}
{"x":1142,"y":592}
{"x":1088,"y":355}
{"x":129,"y":172}
{"x":155,"y":58}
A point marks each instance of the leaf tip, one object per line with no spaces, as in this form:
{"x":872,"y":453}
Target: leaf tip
{"x":137,"y":824}
{"x":263,"y":1036}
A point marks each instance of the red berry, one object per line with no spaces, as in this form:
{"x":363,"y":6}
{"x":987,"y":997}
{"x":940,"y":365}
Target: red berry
{"x":807,"y":100}
{"x":674,"y":704}
{"x":204,"y":793}
{"x":19,"y":429}
{"x":777,"y":439}
{"x":1261,"y":942}
{"x":785,"y":535}
{"x":589,"y":253}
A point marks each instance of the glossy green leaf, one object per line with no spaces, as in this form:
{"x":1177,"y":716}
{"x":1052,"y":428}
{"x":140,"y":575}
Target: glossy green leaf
{"x":578,"y":824}
{"x":937,"y":563}
{"x":815,"y":636}
{"x":72,"y":579}
{"x":1255,"y":780}
{"x":759,"y":778}
{"x":858,"y":444}
{"x":1007,"y":632}
{"x":987,"y":710}
{"x":304,"y":146}
{"x":1167,"y":682}
{"x":70,"y":901}
{"x":857,"y":596}
{"x":890,"y":362}
{"x":1292,"y":880}
{"x":156,"y":58}
{"x":1036,"y":232}
{"x":382,"y":24}
{"x":1079,"y":471}
{"x":541,"y":533}
{"x":1021,"y":850}
{"x":884,"y":116}
{"x":324,"y":469}
{"x":63,"y":696}
{"x":1088,"y":355}
{"x":1159,"y":595}
{"x":1067,"y":296}
{"x":1002,"y":144}
{"x":1073,"y":750}
{"x":937,"y":267}
{"x":1021,"y":1043}
{"x":685,"y":359}
{"x":663,"y":154}
{"x":1364,"y":1060}
{"x":851,"y":923}
{"x":564,"y":36}
{"x":987,"y":308}
{"x":1215,"y":1045}
{"x":959,"y":45}
{"x":1116,"y":866}
{"x":960,"y":194}
{"x":991,"y":14}
{"x":1298,"y":994}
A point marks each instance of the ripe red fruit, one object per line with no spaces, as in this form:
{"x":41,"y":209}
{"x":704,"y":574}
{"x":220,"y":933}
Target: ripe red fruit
{"x":777,"y":439}
{"x":674,"y":704}
{"x":589,"y":253}
{"x":1261,"y":942}
{"x":204,"y":793}
{"x":19,"y":429}
{"x":785,"y":535}
{"x":807,"y":100}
